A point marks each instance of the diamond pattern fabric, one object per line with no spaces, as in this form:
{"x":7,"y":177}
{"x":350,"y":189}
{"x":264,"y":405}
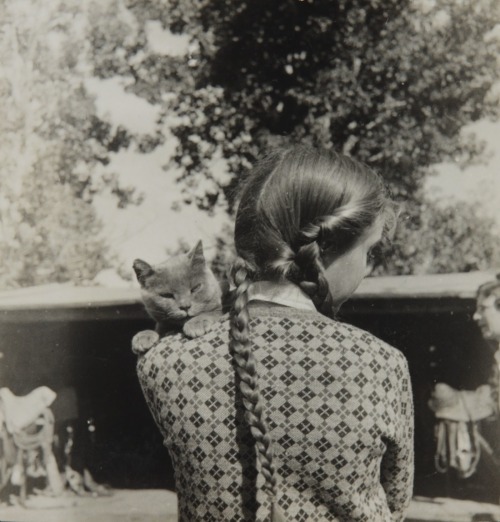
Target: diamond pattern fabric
{"x":338,"y":405}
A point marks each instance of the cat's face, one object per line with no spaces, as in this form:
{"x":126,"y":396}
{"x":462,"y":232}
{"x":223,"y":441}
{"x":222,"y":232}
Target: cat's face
{"x":179,"y":288}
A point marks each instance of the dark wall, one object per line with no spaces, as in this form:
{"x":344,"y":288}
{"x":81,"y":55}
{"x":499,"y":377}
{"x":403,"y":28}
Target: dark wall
{"x":95,"y":358}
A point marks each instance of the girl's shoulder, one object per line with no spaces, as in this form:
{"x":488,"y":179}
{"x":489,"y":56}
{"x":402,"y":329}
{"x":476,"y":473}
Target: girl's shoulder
{"x":309,"y":325}
{"x":373,"y":344}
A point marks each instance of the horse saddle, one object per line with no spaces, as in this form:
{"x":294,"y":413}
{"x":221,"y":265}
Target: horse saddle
{"x":19,"y":412}
{"x":460,"y":405}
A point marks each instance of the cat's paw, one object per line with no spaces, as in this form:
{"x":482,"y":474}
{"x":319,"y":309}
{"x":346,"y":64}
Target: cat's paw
{"x":199,"y":325}
{"x":144,"y":341}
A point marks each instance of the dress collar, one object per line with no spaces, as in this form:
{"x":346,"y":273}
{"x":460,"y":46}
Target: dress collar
{"x":284,"y":293}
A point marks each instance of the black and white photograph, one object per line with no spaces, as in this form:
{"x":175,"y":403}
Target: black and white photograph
{"x":250,"y":261}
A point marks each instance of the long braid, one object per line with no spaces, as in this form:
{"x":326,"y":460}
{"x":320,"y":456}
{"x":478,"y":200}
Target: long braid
{"x":245,"y":366}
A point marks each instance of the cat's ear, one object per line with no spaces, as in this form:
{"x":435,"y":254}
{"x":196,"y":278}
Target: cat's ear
{"x":142,"y":270}
{"x":196,"y":254}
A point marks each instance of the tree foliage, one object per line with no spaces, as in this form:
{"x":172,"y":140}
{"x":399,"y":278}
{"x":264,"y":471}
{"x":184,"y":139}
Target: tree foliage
{"x":52,"y":142}
{"x":391,"y":83}
{"x":432,"y":238}
{"x":50,"y":236}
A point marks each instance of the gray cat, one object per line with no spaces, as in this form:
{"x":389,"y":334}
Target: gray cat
{"x":181,"y":293}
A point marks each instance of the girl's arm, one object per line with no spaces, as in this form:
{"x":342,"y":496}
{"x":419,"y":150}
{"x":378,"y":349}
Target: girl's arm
{"x":398,"y":462}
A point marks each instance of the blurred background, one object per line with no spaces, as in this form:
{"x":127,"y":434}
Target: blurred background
{"x":127,"y":124}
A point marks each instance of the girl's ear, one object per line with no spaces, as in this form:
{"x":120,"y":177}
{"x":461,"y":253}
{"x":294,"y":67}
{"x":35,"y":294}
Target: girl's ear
{"x":196,"y":254}
{"x":142,"y":270}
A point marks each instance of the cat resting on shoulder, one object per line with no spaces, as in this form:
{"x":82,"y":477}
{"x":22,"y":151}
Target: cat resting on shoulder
{"x":180,"y":293}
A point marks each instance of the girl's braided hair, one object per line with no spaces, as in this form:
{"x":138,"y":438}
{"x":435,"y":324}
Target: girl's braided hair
{"x":296,"y":205}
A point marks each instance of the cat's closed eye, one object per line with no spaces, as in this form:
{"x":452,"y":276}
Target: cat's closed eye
{"x":166,"y":295}
{"x":196,"y":287}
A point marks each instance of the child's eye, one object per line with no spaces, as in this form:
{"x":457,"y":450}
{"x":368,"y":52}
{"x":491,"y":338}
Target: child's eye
{"x":196,"y":288}
{"x":166,"y":295}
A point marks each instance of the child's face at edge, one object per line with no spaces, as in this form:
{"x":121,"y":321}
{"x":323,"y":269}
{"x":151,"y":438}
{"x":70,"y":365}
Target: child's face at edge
{"x":487,"y":316}
{"x":345,"y":273}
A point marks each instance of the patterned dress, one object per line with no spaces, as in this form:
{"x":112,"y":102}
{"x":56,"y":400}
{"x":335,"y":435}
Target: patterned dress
{"x":338,"y":403}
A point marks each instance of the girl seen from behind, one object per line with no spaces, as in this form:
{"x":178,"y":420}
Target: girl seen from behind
{"x":280,"y":411}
